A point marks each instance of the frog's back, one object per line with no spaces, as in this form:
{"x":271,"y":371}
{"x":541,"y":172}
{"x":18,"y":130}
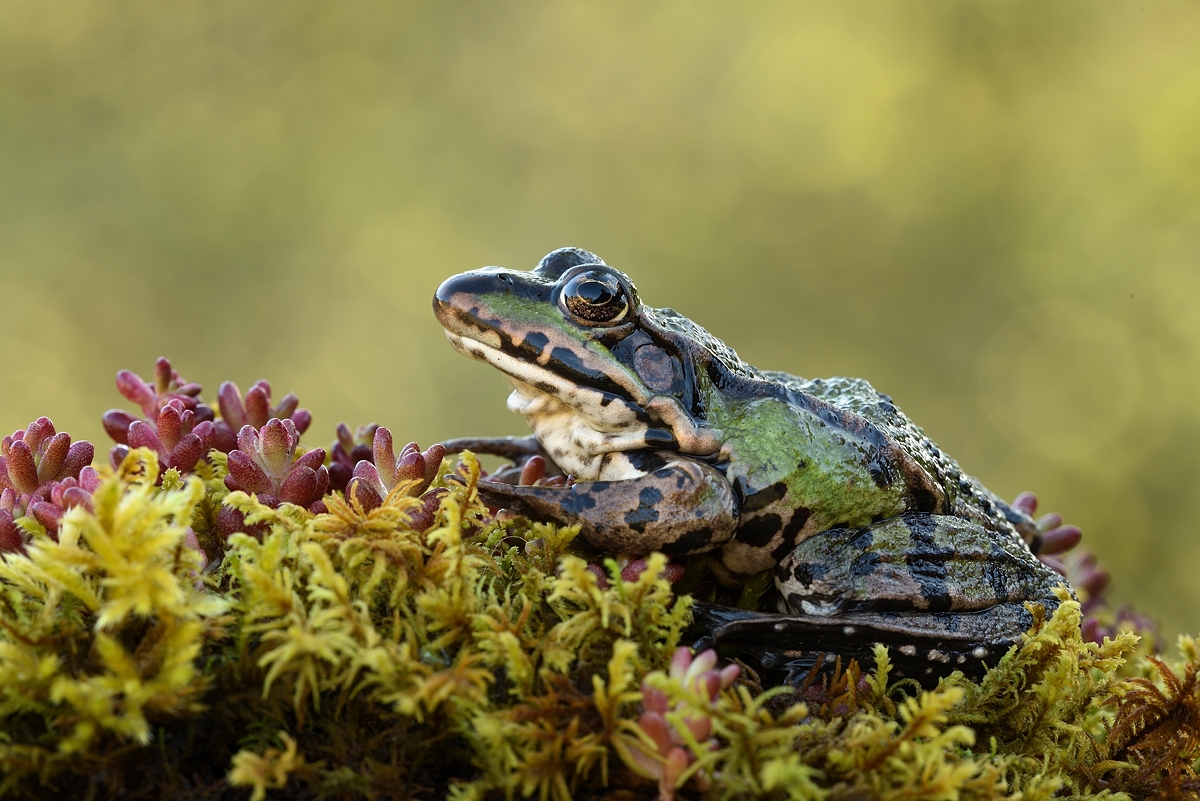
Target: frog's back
{"x":966,"y":497}
{"x":856,"y":395}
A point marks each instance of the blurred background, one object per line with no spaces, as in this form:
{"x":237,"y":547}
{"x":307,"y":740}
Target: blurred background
{"x":990,"y":210}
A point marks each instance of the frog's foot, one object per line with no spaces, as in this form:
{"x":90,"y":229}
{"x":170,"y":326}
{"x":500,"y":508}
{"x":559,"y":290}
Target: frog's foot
{"x":923,"y":648}
{"x":1053,"y":536}
{"x":515,"y":449}
{"x":531,"y":474}
{"x":518,"y":450}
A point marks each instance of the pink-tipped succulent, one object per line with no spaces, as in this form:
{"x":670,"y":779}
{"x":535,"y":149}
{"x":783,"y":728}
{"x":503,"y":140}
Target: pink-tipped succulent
{"x":42,"y":474}
{"x":177,"y":426}
{"x":265,"y":463}
{"x":39,"y":454}
{"x":178,"y":439}
{"x":168,"y":387}
{"x":633,"y":569}
{"x":1090,"y":580}
{"x":530,"y":474}
{"x":1099,"y":622}
{"x":371,"y":482}
{"x":533,"y":474}
{"x":672,"y":754}
{"x":12,"y":508}
{"x":348,"y":450}
{"x":1057,"y":539}
{"x":1086,"y":575}
{"x":673,"y":572}
{"x":255,"y":410}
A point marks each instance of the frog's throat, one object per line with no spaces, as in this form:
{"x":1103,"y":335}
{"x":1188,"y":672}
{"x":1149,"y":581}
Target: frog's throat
{"x":601,"y":422}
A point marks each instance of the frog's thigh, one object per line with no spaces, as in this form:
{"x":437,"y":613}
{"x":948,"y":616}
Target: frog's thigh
{"x":914,"y":562}
{"x":762,"y":536}
{"x":684,"y":507}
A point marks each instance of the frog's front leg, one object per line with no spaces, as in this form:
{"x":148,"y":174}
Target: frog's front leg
{"x":518,"y":450}
{"x":683,"y":507}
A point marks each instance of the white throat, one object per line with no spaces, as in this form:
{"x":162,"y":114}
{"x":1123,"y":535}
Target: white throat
{"x":575,"y":443}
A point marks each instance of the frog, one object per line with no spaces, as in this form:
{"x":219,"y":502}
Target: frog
{"x":821,"y":490}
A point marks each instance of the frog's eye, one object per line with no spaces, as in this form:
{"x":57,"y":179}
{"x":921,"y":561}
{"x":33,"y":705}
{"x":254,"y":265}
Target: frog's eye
{"x":596,"y":298}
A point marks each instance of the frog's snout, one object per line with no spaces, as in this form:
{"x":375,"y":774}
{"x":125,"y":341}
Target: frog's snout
{"x":465,"y":299}
{"x":444,"y":307}
{"x":456,"y":304}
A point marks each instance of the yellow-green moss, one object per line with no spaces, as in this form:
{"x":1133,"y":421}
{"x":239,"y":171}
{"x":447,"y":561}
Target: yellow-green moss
{"x":346,"y":656}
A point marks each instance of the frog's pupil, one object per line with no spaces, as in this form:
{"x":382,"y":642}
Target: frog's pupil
{"x":594,"y":293}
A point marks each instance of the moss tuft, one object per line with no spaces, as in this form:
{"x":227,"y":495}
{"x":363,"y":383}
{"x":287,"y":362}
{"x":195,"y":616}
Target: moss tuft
{"x":414,"y":646}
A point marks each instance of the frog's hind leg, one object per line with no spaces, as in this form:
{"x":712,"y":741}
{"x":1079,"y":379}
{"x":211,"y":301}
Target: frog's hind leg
{"x":914,"y":564}
{"x":943,"y":593}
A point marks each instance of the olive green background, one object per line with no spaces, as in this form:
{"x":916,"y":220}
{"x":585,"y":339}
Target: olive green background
{"x":989,"y":209}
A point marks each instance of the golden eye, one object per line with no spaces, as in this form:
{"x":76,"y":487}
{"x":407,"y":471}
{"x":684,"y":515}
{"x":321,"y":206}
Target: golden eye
{"x":595,"y":297}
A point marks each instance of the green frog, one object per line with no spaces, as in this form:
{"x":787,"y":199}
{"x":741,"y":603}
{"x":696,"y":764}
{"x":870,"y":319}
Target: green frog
{"x":867,"y":530}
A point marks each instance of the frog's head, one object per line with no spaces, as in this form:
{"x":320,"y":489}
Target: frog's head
{"x":593,"y":370}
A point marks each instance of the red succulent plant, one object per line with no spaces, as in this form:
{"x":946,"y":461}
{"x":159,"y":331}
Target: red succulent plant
{"x":42,"y":474}
{"x":254,"y":410}
{"x":372,"y":482}
{"x":348,"y":450}
{"x":177,"y":425}
{"x":265,"y":463}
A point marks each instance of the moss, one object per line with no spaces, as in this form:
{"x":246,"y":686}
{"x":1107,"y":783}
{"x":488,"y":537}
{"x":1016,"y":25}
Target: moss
{"x":351,"y":654}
